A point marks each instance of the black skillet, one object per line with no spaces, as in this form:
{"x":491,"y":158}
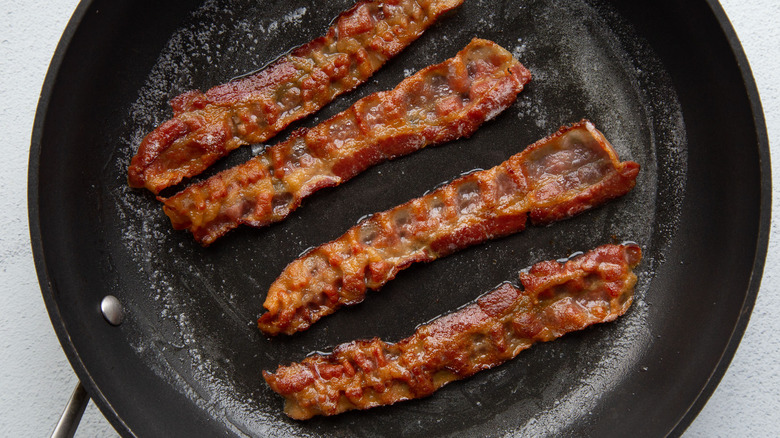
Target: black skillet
{"x":667,"y":83}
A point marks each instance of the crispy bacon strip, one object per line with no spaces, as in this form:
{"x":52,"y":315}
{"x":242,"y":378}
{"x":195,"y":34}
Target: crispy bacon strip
{"x":206,"y":126}
{"x":558,"y":298}
{"x":438,"y":104}
{"x":553,"y":179}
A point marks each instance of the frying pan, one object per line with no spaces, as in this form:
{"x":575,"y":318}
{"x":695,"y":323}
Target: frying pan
{"x":668,"y":84}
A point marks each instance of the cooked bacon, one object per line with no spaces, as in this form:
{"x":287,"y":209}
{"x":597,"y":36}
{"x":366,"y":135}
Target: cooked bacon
{"x":553,"y":179}
{"x":206,"y":126}
{"x":558,"y":298}
{"x":438,"y":104}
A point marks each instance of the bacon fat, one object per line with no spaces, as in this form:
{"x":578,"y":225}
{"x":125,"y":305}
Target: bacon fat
{"x":438,"y":104}
{"x":569,"y":172}
{"x":559,"y":298}
{"x":206,"y":126}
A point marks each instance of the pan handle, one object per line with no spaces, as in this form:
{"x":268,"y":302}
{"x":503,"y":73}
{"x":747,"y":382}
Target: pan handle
{"x":69,"y":421}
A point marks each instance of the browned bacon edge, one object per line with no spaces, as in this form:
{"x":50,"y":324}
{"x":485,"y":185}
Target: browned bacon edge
{"x":559,"y":298}
{"x":553,"y":179}
{"x":438,"y":104}
{"x":206,"y":126}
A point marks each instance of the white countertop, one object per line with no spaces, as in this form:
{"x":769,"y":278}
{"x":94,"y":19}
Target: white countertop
{"x":36,"y":379}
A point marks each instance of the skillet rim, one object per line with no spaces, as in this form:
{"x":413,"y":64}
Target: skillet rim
{"x":764,"y":225}
{"x":36,"y":241}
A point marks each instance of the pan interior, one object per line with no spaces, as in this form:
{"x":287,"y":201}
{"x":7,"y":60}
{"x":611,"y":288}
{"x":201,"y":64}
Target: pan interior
{"x":189,"y":346}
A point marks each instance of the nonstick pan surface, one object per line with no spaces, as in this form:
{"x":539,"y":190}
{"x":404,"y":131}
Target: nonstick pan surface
{"x":669,"y":86}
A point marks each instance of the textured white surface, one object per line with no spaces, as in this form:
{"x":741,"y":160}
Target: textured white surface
{"x":36,"y":379}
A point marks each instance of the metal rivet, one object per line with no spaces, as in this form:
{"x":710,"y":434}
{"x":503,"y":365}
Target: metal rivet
{"x":112,"y":310}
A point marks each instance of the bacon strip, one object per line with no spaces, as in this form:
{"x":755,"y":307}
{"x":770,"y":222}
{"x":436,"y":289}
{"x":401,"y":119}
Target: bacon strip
{"x":206,"y":126}
{"x":558,"y":298}
{"x":438,"y":104}
{"x":553,"y":179}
